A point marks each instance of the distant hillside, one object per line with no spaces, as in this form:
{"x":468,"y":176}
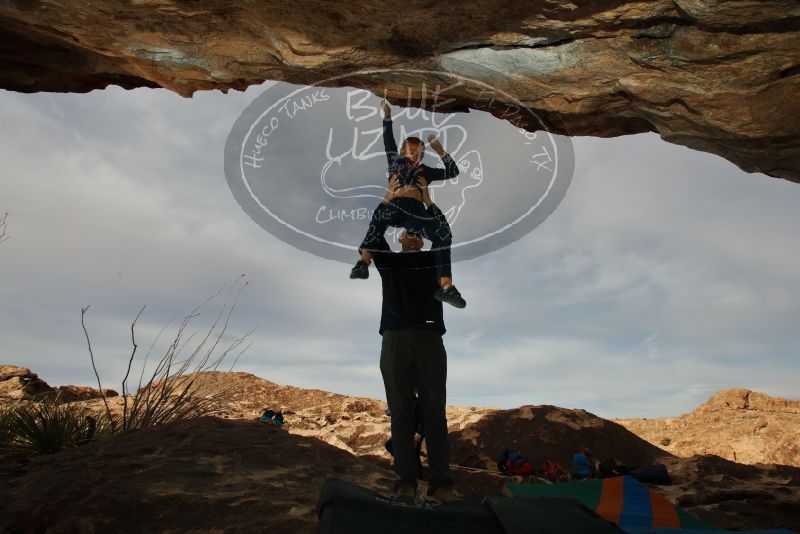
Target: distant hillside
{"x":737,"y":424}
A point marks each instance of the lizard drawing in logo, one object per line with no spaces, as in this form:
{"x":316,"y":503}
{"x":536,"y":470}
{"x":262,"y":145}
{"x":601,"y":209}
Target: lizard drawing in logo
{"x":469,"y":177}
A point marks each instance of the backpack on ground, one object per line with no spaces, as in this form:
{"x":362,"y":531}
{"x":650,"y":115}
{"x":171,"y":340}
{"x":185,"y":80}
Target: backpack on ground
{"x":652,"y":474}
{"x":611,"y":468}
{"x":553,"y":472}
{"x":513,"y":463}
{"x":272,"y":418}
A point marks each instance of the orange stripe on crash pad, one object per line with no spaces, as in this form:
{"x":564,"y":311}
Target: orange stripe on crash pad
{"x":610,"y":505}
{"x":664,"y":513}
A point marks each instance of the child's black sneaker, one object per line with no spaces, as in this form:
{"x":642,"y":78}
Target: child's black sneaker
{"x":450,"y":296}
{"x":360,"y":270}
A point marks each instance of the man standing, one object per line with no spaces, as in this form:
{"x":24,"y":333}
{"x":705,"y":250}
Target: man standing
{"x":413,"y":358}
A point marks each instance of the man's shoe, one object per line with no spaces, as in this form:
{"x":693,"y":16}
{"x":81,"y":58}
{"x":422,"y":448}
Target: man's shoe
{"x":405,"y":493}
{"x":444,"y":495}
{"x":360,"y":270}
{"x":450,"y":296}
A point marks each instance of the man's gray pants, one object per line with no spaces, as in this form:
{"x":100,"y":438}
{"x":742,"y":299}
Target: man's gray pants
{"x":416,"y":359}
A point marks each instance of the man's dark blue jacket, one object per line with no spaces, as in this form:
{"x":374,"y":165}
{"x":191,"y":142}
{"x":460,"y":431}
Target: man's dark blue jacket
{"x":409,"y":282}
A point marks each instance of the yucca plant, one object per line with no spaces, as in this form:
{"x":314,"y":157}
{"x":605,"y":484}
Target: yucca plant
{"x":5,"y":435}
{"x":47,"y":427}
{"x":41,"y":428}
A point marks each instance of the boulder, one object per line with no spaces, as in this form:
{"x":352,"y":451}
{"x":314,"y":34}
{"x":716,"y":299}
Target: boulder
{"x":716,"y":76}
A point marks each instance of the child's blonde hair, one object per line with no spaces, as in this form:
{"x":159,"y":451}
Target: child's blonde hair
{"x":415,"y":141}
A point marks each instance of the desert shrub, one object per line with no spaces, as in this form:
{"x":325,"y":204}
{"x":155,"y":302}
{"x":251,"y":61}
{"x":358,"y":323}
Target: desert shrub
{"x":47,"y":427}
{"x":5,"y":435}
{"x":665,"y":442}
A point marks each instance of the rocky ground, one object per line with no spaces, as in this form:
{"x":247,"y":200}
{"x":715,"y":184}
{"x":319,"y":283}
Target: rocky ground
{"x":232,"y":473}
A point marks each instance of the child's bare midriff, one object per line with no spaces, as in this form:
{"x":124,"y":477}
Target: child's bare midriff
{"x":408,"y":191}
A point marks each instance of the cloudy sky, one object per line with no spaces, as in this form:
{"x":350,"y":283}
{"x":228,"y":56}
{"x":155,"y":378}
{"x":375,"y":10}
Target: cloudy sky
{"x":664,"y":275}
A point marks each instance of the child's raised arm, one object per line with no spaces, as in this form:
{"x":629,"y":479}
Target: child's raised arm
{"x":389,"y":144}
{"x":450,"y":168}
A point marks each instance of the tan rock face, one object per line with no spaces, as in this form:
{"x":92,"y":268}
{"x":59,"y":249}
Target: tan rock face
{"x":20,"y":384}
{"x":79,"y":393}
{"x":360,"y":426}
{"x":355,"y":424}
{"x":737,"y":424}
{"x":721,"y":77}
